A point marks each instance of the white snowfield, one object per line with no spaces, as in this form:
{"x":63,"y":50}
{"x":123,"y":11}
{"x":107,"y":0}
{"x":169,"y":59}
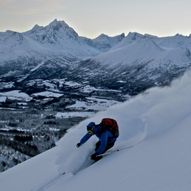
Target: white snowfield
{"x":156,"y":124}
{"x":154,"y":51}
{"x":92,"y":103}
{"x":15,"y":95}
{"x":47,"y":94}
{"x":74,"y":114}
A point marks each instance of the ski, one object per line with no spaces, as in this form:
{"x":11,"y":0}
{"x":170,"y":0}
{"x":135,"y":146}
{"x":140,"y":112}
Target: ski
{"x":115,"y":150}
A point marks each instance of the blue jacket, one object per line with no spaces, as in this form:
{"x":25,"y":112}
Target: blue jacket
{"x":104,"y":138}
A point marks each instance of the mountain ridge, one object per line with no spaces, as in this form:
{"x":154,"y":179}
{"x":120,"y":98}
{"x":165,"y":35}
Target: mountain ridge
{"x":120,"y":62}
{"x":57,"y":38}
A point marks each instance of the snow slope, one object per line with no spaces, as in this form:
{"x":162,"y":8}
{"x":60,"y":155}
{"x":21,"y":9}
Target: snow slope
{"x":136,"y":49}
{"x":156,"y":123}
{"x":15,"y":95}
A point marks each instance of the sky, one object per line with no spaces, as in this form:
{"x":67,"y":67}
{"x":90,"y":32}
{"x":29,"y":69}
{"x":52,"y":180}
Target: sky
{"x":92,"y":17}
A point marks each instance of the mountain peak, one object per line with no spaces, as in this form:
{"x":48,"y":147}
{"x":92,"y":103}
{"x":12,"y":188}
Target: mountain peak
{"x":134,"y":35}
{"x":36,"y":28}
{"x":62,"y":27}
{"x":105,"y":42}
{"x":104,"y":36}
{"x":14,"y":35}
{"x":53,"y":32}
{"x":56,"y":24}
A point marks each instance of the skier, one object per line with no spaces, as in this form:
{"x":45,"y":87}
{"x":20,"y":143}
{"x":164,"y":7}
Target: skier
{"x":107,"y":132}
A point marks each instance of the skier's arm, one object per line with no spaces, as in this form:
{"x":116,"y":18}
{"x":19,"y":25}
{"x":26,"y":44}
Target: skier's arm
{"x":103,"y":142}
{"x":85,"y":138}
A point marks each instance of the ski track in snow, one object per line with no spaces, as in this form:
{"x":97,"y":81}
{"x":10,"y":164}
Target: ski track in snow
{"x":48,"y":184}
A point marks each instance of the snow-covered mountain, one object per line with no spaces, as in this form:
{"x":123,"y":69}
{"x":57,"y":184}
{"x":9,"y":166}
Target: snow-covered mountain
{"x":62,"y":39}
{"x":134,"y":64}
{"x":14,"y":45}
{"x":21,"y":53}
{"x":136,"y":49}
{"x":55,"y":39}
{"x":156,"y":124}
{"x":141,"y":61}
{"x":130,"y":64}
{"x":148,"y":53}
{"x":105,"y":42}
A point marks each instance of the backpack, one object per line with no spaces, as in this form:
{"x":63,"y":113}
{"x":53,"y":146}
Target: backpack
{"x":111,"y":125}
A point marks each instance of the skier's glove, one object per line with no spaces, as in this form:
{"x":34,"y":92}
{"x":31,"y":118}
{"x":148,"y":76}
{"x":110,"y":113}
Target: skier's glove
{"x":78,"y":145}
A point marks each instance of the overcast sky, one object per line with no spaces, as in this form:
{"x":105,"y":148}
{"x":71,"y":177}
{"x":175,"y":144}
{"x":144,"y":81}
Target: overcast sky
{"x":91,"y":17}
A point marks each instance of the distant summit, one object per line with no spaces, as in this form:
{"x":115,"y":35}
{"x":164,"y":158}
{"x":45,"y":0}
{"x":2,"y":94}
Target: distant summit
{"x":53,"y":32}
{"x":105,"y":42}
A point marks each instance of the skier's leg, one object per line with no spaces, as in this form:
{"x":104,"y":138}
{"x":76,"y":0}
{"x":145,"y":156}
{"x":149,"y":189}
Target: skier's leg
{"x":109,"y":146}
{"x":97,"y":145}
